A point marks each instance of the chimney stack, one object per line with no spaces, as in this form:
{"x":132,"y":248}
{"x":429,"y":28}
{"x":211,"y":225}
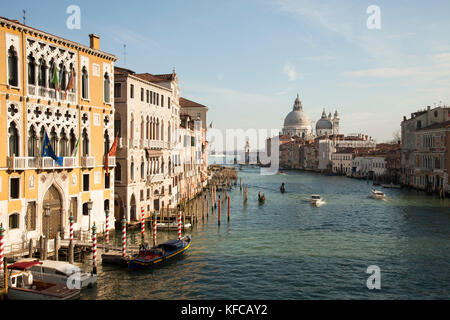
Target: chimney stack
{"x":94,"y":41}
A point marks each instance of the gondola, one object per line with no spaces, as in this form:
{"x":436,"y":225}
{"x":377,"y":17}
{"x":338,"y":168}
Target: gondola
{"x":282,"y":189}
{"x":149,"y":257}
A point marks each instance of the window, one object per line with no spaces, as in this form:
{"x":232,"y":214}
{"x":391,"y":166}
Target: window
{"x":32,"y":143}
{"x":106,"y":88}
{"x":14,"y":221}
{"x":42,"y":76}
{"x":118,"y":172}
{"x":84,"y":83}
{"x":85,"y":143}
{"x":30,"y":219}
{"x":117,"y":127}
{"x":86,"y":182}
{"x":142,"y":170}
{"x":117,"y":90}
{"x":14,"y":188}
{"x":13,"y":140}
{"x":107,"y":181}
{"x":162,"y":101}
{"x":142,"y":94}
{"x":63,"y":145}
{"x":31,"y":70}
{"x":151,"y":97}
{"x":106,"y":143}
{"x":148,"y":96}
{"x":74,"y":208}
{"x":168,"y":102}
{"x":12,"y":67}
{"x":132,"y":171}
{"x":85,"y":209}
{"x":131,"y":91}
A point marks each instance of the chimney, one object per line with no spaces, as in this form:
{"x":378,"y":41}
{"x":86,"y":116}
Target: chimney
{"x":94,"y":41}
{"x":428,"y":108}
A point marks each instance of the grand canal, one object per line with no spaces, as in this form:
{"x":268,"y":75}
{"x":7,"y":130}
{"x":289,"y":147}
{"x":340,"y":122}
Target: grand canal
{"x":287,"y":249}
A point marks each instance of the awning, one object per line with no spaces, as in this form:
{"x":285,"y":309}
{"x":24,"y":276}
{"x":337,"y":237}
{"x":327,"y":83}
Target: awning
{"x":24,"y":265}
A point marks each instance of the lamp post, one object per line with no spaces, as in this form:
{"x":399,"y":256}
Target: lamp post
{"x":89,"y":207}
{"x":47,"y":215}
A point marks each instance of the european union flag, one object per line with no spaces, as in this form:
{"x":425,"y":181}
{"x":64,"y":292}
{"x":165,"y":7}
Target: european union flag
{"x":47,"y":151}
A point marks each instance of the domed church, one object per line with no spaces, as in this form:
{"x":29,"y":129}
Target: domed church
{"x":297,"y":122}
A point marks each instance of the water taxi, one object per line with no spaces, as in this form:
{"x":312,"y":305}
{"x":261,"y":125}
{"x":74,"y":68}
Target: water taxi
{"x":316,"y":200}
{"x":377,"y":194}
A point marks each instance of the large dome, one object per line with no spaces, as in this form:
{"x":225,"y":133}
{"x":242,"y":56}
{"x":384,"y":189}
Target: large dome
{"x":324,"y":122}
{"x":297,"y":122}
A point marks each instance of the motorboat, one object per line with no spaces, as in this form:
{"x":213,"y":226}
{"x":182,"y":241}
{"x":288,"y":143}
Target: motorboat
{"x":57,"y":272}
{"x":23,"y":286}
{"x":377,"y":194}
{"x":316,"y":200}
{"x":158,"y":255}
{"x":173,"y":226}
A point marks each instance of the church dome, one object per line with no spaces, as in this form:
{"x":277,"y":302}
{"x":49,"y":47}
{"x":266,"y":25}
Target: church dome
{"x":297,"y":118}
{"x":324,"y":122}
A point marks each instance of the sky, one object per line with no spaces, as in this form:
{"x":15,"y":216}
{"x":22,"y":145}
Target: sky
{"x":248,"y":59}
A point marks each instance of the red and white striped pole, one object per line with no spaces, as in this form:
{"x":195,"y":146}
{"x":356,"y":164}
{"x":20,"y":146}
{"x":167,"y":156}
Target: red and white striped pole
{"x":71,"y":228}
{"x":179,"y":225}
{"x":142,"y":221}
{"x":154,"y":230}
{"x":94,"y":249}
{"x":2,"y":245}
{"x":124,"y":237}
{"x":107,"y":226}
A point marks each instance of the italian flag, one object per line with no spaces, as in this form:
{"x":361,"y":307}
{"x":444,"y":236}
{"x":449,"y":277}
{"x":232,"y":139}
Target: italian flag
{"x":55,"y":78}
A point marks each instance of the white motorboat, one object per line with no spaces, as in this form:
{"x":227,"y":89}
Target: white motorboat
{"x":173,"y":226}
{"x":377,"y":194}
{"x":57,"y":272}
{"x":316,"y":200}
{"x":22,"y":286}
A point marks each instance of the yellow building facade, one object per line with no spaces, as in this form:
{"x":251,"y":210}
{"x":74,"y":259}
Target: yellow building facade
{"x":52,"y":85}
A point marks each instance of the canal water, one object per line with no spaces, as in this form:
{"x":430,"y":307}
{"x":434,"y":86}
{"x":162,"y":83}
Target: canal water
{"x":287,"y":249}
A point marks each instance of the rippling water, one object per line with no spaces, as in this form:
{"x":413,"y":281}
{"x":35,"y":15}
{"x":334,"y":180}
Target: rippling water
{"x":287,"y":249}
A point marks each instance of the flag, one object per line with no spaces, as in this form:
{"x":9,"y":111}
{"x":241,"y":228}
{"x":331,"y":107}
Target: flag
{"x":55,"y":78}
{"x":47,"y":151}
{"x":70,"y":84}
{"x":111,"y":153}
{"x":75,"y":149}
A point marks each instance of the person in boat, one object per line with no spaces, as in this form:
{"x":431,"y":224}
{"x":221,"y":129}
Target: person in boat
{"x":282,"y":189}
{"x":259,"y":196}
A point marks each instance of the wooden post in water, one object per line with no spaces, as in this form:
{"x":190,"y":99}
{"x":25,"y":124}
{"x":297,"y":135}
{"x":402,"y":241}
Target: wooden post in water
{"x":4,"y":266}
{"x":45,"y":249}
{"x":30,"y":249}
{"x":218,"y":216}
{"x":57,"y":247}
{"x":228,"y":208}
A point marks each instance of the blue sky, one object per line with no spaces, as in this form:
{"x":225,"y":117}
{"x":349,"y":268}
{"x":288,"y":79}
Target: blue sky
{"x":248,"y":59}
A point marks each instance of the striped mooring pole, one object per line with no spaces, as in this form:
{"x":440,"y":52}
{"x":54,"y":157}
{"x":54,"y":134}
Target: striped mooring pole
{"x":179,"y":225}
{"x":71,"y":228}
{"x":107,"y":226}
{"x":94,"y":249}
{"x":154,"y":230}
{"x":124,"y":237}
{"x":2,"y":246}
{"x":142,"y":221}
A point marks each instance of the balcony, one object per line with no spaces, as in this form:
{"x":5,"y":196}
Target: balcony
{"x":49,"y":163}
{"x":48,"y":93}
{"x":111,"y":161}
{"x":32,"y":90}
{"x":155,"y":178}
{"x":88,"y":162}
{"x":156,"y":144}
{"x":21,"y":163}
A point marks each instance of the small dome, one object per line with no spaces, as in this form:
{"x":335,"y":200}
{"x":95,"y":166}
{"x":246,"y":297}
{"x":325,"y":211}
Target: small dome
{"x":324,"y":124}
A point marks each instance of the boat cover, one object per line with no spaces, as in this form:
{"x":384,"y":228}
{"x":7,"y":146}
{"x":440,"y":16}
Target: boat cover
{"x":24,"y":265}
{"x":172,"y":245}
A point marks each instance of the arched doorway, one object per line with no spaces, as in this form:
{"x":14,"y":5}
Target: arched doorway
{"x":51,"y":224}
{"x":133,"y":208}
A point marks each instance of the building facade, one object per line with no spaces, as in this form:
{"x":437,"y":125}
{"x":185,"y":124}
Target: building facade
{"x":50,"y":85}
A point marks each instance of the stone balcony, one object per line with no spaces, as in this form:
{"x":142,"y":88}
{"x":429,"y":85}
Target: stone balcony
{"x":48,"y":93}
{"x":156,"y":144}
{"x":153,"y":178}
{"x":33,"y":163}
{"x":111,"y":161}
{"x":87,"y":162}
{"x":21,"y":163}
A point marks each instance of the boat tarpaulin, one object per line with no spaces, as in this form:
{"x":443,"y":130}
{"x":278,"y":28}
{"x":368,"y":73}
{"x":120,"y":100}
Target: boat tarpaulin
{"x":24,"y":265}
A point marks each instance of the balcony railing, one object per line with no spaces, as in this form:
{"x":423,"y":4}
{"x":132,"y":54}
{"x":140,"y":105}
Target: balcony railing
{"x":21,"y":163}
{"x":31,"y":90}
{"x":88,"y":162}
{"x":111,"y":161}
{"x":49,"y":163}
{"x":156,"y":144}
{"x":153,"y":178}
{"x":43,"y":92}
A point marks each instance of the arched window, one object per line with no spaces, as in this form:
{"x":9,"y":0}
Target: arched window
{"x":42,"y":77}
{"x":32,"y":143}
{"x":14,"y":221}
{"x":132,"y":171}
{"x":118,"y":172}
{"x":147,"y":129}
{"x":13,"y":140}
{"x":85,"y":143}
{"x":72,"y":141}
{"x":41,"y":138}
{"x":50,"y":75}
{"x":106,"y":88}
{"x":162,"y":129}
{"x":84,"y":83}
{"x":31,"y":70}
{"x":142,"y":128}
{"x":30,"y":218}
{"x":13,"y":72}
{"x":54,"y":140}
{"x":142,"y":169}
{"x":62,"y":77}
{"x":63,"y":145}
{"x":106,"y":143}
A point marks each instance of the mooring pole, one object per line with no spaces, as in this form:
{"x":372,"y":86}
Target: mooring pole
{"x":124,"y":237}
{"x":94,"y":249}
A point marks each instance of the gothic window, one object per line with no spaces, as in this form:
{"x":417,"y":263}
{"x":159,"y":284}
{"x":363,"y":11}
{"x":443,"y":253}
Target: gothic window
{"x":72,"y":141}
{"x":106,"y":143}
{"x":62,"y":77}
{"x":13,"y":140}
{"x":41,"y":138}
{"x":118,"y":172}
{"x":85,"y":143}
{"x":13,"y":73}
{"x":63,"y":145}
{"x":132,"y":171}
{"x":42,"y":73}
{"x":84,"y":83}
{"x":106,"y":88}
{"x":54,"y":139}
{"x":142,"y":169}
{"x":30,"y":219}
{"x":31,"y":70}
{"x":32,"y":143}
{"x":50,"y":75}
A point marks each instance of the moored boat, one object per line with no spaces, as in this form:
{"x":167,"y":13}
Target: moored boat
{"x":57,"y":272}
{"x":377,"y":194}
{"x":22,"y":286}
{"x":149,"y":257}
{"x":173,"y":226}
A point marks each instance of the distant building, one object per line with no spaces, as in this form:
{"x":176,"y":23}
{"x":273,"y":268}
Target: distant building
{"x":297,"y":122}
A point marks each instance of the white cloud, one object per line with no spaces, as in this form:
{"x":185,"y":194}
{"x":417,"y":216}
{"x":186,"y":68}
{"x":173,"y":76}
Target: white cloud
{"x":289,"y":70}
